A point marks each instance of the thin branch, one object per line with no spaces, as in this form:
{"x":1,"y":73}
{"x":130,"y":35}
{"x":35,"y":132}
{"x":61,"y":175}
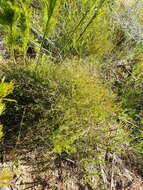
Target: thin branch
{"x":40,"y":37}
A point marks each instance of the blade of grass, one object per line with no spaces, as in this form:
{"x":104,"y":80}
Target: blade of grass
{"x":92,"y":18}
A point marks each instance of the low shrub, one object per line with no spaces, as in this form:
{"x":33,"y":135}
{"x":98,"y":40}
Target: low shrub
{"x":63,"y":107}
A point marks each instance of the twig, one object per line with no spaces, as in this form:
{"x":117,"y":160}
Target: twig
{"x":40,"y":37}
{"x":130,"y":123}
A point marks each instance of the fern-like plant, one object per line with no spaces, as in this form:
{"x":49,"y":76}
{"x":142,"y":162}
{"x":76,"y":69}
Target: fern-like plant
{"x":50,"y":11}
{"x":15,"y":21}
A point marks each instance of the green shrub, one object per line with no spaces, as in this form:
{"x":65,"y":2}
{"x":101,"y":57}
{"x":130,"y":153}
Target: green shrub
{"x":62,"y":107}
{"x":15,"y":22}
{"x":130,"y":96}
{"x":82,"y":28}
{"x":5,"y":90}
{"x":132,"y":92}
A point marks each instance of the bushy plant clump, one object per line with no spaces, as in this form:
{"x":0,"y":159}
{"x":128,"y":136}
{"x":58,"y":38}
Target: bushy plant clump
{"x":83,"y":28}
{"x":131,"y":100}
{"x":5,"y":90}
{"x":62,"y":107}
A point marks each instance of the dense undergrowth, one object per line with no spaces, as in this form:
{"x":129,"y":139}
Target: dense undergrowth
{"x":78,"y":74}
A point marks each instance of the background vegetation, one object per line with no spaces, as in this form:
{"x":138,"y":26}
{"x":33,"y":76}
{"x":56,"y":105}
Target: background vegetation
{"x":78,"y":73}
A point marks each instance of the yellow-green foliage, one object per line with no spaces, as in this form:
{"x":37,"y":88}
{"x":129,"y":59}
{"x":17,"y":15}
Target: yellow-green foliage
{"x":83,"y":27}
{"x":131,"y":100}
{"x":5,"y":89}
{"x":82,"y":107}
{"x":15,"y":21}
{"x":50,"y":11}
{"x":84,"y":101}
{"x":67,"y":107}
{"x":138,"y":70}
{"x":5,"y":177}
